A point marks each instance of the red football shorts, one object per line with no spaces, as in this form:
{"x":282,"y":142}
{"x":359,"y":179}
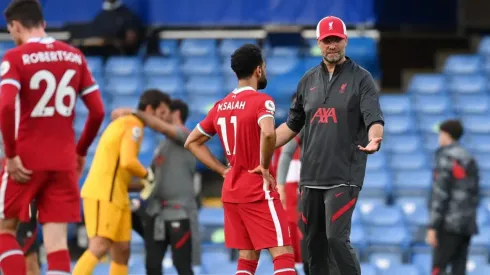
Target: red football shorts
{"x":56,"y":194}
{"x":256,"y":225}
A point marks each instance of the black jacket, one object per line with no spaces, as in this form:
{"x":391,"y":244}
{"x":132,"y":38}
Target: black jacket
{"x":336,"y":115}
{"x":454,"y":196}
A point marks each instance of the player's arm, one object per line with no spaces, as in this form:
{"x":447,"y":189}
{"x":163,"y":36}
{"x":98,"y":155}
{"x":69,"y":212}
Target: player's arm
{"x":128,"y":153}
{"x":10,"y":87}
{"x":196,"y":140}
{"x":265,"y":119}
{"x":370,"y":108}
{"x":119,"y":112}
{"x":285,"y":158}
{"x":296,"y":119}
{"x":90,"y":94}
{"x":171,"y":131}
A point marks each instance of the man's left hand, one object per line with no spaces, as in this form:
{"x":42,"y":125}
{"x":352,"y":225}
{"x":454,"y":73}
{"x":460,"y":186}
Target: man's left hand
{"x":372,"y":147}
{"x":431,"y":238}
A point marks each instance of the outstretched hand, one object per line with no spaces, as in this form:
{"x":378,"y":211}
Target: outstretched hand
{"x":372,"y":147}
{"x":268,"y":178}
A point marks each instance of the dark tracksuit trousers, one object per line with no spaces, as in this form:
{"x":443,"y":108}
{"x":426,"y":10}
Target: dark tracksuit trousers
{"x":177,"y":236}
{"x":452,"y":250}
{"x":327,"y":215}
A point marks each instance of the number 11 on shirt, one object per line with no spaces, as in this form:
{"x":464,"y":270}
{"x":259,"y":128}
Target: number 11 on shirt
{"x":224,"y":136}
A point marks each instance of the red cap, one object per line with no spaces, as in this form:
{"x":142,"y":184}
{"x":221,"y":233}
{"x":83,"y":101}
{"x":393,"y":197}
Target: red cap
{"x":331,"y":26}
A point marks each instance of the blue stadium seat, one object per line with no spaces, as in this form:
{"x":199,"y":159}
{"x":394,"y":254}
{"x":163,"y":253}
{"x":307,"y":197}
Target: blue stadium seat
{"x":80,"y":108}
{"x":123,"y":66}
{"x":472,"y":104}
{"x":385,"y":260}
{"x":431,"y":142}
{"x":376,"y":184}
{"x":476,"y":124}
{"x":282,"y":111}
{"x":200,"y":66}
{"x":412,"y":183}
{"x":402,"y":143}
{"x":388,"y":238}
{"x":309,"y":62}
{"x":428,"y":84}
{"x":368,"y":269}
{"x":410,"y":203}
{"x":155,"y":66}
{"x":202,"y":104}
{"x":463,"y":64}
{"x":479,"y":243}
{"x":277,"y":65}
{"x":95,"y":64}
{"x":405,"y":269}
{"x":423,"y":261}
{"x":395,"y":104}
{"x":366,"y":205}
{"x":432,"y":104}
{"x":480,"y":270}
{"x":479,"y":142}
{"x":416,"y":215}
{"x":483,"y":161}
{"x":211,"y":216}
{"x":284,"y":51}
{"x":227,"y":70}
{"x":5,"y":46}
{"x":169,"y":47}
{"x":399,"y":124}
{"x":484,"y":46}
{"x":382,"y":215}
{"x":168,"y":84}
{"x":412,"y":161}
{"x":205,"y":85}
{"x":358,"y":238}
{"x":124,"y":101}
{"x":482,"y":217}
{"x":228,"y":46}
{"x":429,"y":124}
{"x":198,"y":47}
{"x":485,"y":186}
{"x":476,"y":260}
{"x":120,"y":85}
{"x":282,"y":87}
{"x":376,"y":162}
{"x":468,"y":84}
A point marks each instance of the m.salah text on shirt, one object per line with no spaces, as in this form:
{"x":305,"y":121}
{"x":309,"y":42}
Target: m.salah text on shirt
{"x":226,"y":106}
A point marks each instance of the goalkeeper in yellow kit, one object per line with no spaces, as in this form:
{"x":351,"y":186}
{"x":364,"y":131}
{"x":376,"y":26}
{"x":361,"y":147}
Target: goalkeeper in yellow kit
{"x":105,"y":195}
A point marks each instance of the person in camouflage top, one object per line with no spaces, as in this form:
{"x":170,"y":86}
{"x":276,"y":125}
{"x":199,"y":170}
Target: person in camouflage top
{"x":454,"y":201}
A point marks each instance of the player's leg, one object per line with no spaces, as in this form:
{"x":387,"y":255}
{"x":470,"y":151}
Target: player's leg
{"x":339,"y":207}
{"x":58,"y":205}
{"x":120,"y":250}
{"x":443,"y":253}
{"x":458,"y":265}
{"x":14,"y":202}
{"x":267,"y":225}
{"x":303,"y":247}
{"x":101,"y":221}
{"x":181,"y":242}
{"x":237,"y":237}
{"x":155,"y":247}
{"x":313,"y":217}
{"x":27,"y":238}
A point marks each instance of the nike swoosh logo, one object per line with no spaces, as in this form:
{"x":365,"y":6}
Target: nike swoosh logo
{"x":339,"y":194}
{"x":312,"y":88}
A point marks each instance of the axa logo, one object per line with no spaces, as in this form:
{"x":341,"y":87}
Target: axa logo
{"x":324,"y":115}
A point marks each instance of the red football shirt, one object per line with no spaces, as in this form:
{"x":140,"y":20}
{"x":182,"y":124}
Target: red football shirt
{"x":236,"y":120}
{"x":47,"y":76}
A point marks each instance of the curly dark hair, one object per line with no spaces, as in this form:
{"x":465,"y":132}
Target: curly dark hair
{"x":245,"y":60}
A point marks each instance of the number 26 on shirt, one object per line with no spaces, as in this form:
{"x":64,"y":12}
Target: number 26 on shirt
{"x":224,"y":135}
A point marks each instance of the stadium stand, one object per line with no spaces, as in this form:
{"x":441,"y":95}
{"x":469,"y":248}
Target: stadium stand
{"x":389,"y":223}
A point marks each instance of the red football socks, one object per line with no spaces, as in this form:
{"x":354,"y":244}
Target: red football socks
{"x":59,"y":262}
{"x":284,"y":265}
{"x":246,"y":267}
{"x":12,"y":261}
